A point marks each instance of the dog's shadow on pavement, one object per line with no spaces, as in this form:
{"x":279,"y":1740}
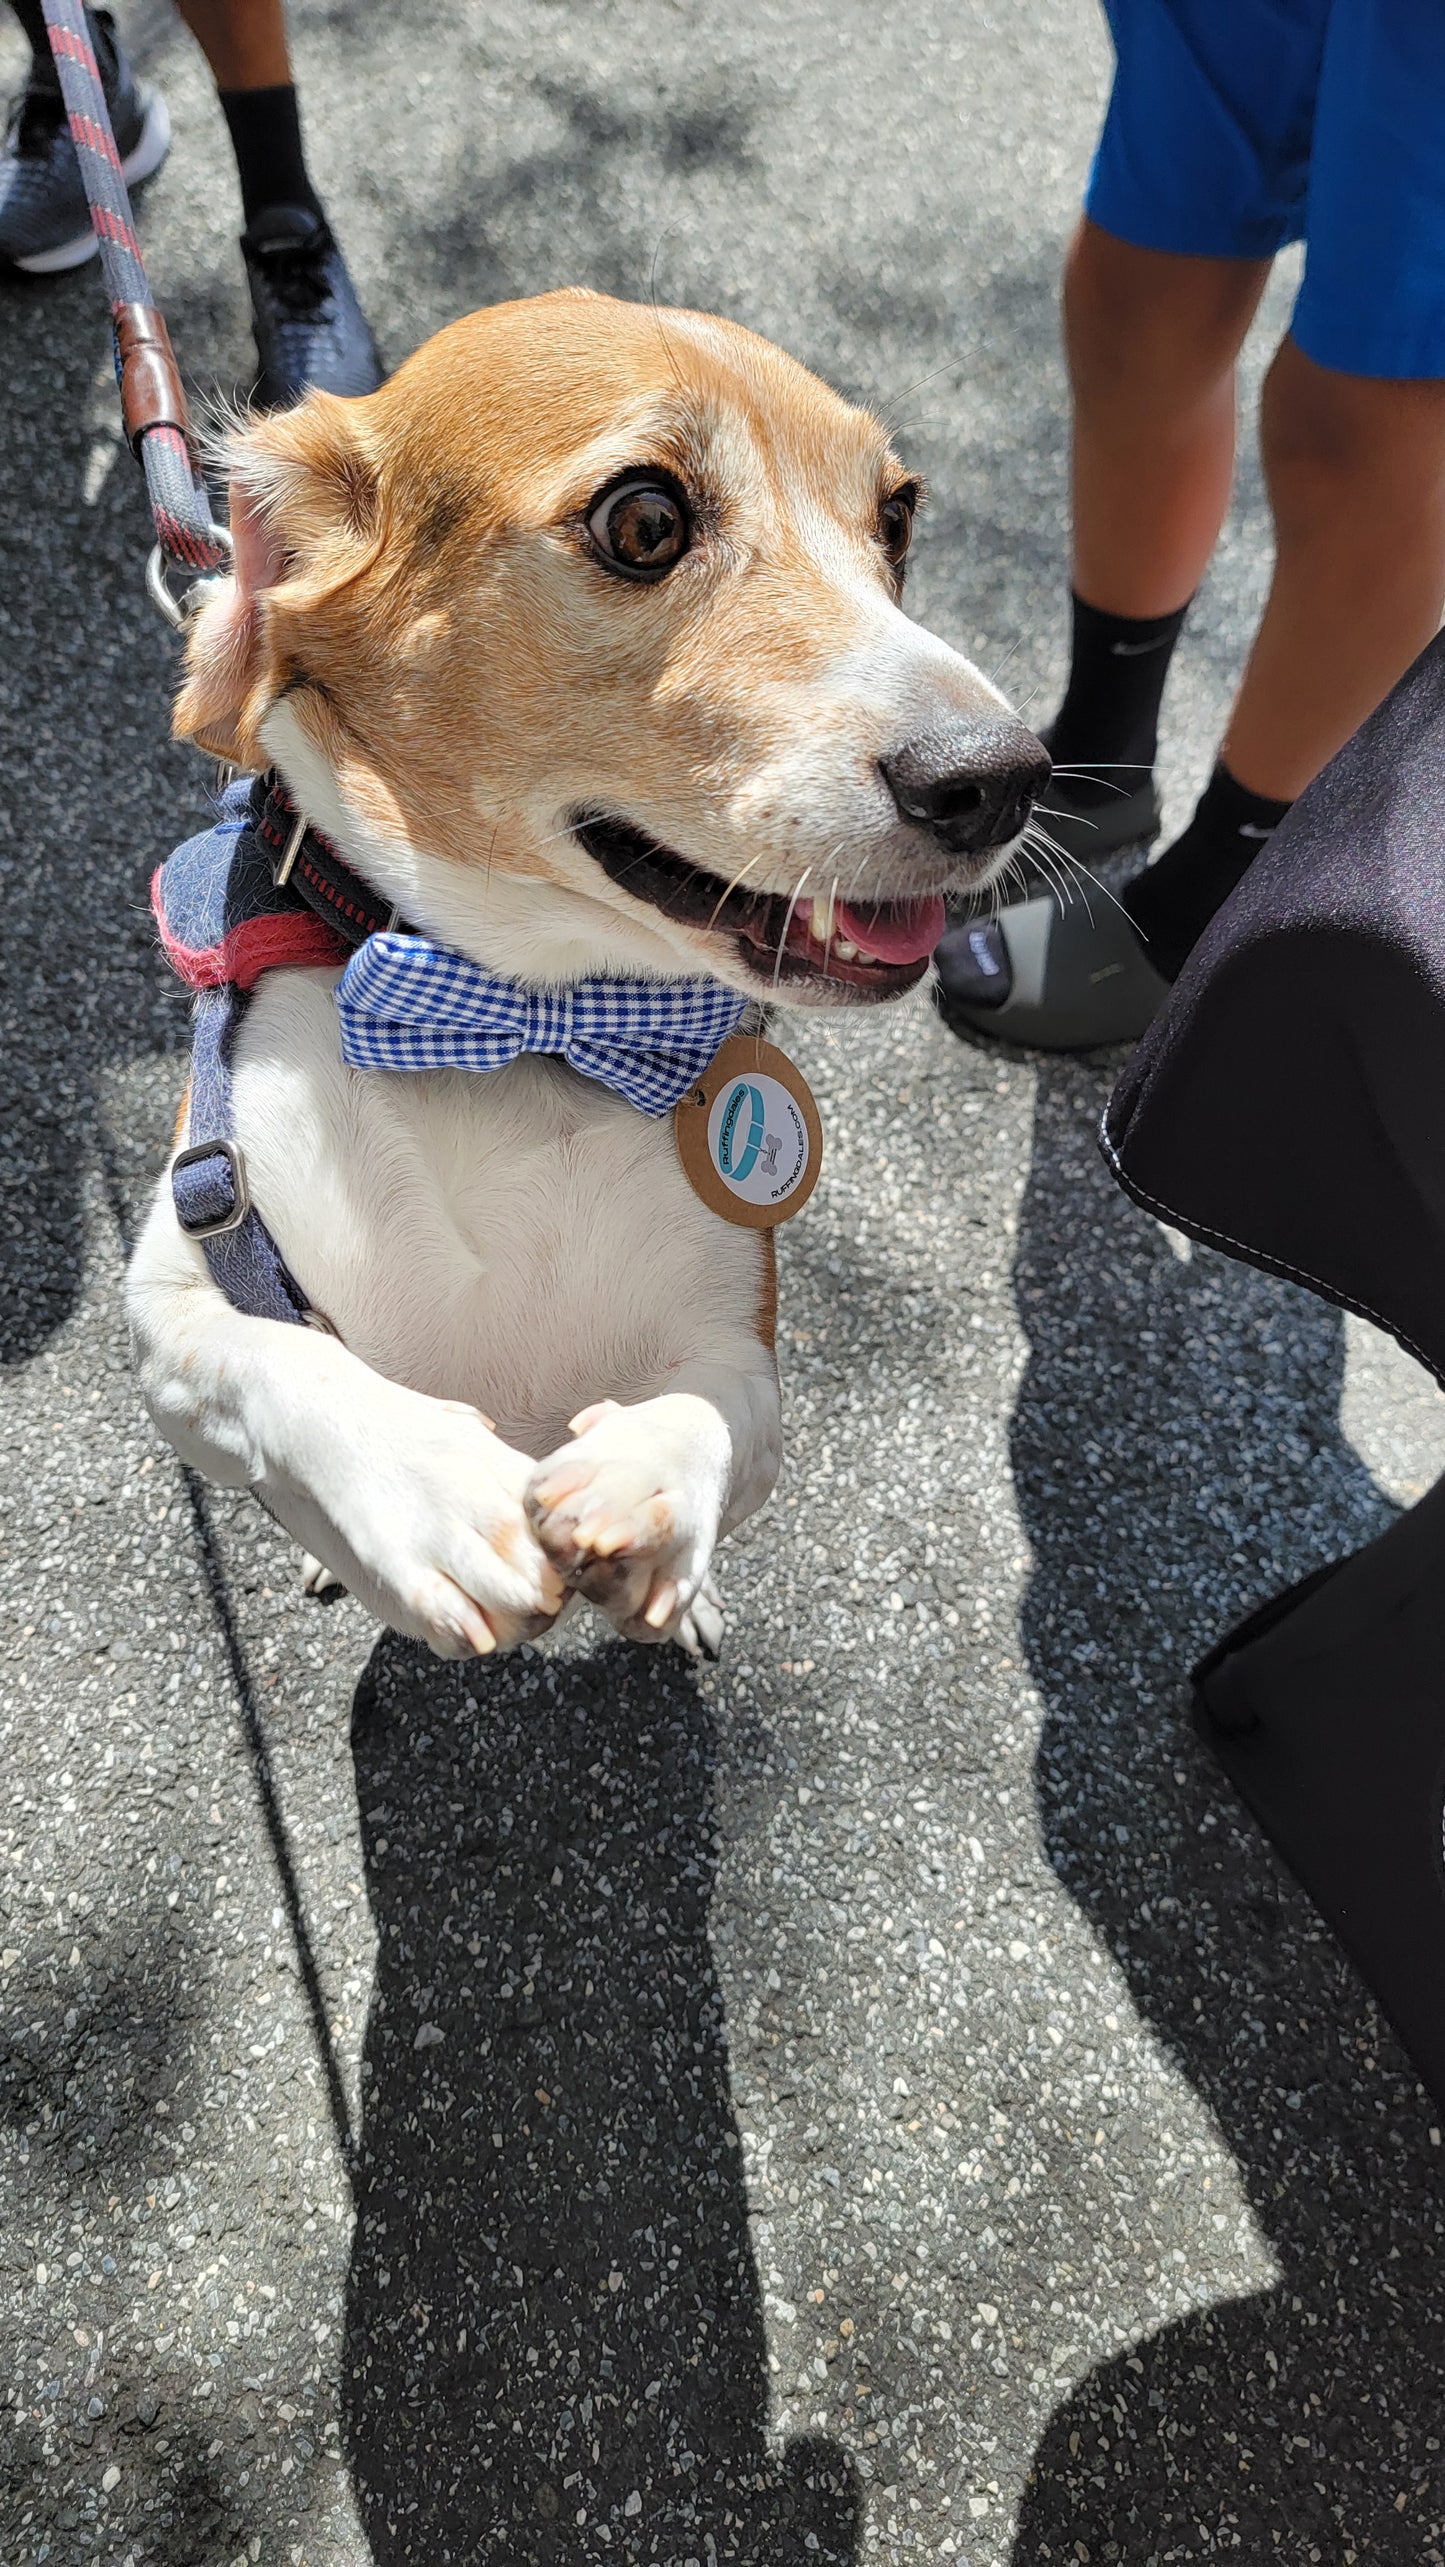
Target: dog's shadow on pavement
{"x":554,"y":2333}
{"x":1300,"y":2421}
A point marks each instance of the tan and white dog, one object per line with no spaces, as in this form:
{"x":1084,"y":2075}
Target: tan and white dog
{"x":582,"y":642}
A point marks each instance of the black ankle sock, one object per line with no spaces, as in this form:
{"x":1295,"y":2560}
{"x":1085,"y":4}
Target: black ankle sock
{"x":32,"y":24}
{"x":1171,"y":902}
{"x":32,"y":21}
{"x":1109,"y":718}
{"x":266,"y":139}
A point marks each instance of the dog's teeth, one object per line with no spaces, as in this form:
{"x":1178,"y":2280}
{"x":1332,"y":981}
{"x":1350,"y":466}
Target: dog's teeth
{"x":845,"y":952}
{"x":822,"y":919}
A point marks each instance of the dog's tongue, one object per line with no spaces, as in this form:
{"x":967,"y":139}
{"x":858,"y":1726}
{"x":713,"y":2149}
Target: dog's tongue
{"x":894,"y":931}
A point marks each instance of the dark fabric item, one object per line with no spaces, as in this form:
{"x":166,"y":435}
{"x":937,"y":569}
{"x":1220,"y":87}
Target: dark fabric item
{"x":1288,"y":1104}
{"x":1172,"y":901}
{"x":1109,"y":717}
{"x":1327,"y":1711}
{"x":265,"y":128}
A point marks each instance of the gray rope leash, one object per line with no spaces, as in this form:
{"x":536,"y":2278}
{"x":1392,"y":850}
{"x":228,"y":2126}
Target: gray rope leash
{"x":153,"y":402}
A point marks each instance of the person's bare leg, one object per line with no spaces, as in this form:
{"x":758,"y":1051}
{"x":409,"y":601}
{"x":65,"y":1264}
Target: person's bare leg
{"x":1152,"y":341}
{"x":244,"y":41}
{"x":1356,"y":475}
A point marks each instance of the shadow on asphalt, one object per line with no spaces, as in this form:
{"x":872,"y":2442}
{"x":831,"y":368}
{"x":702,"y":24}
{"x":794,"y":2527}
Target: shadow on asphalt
{"x":554,"y":2330}
{"x":601,"y":164}
{"x":91,"y":790}
{"x":1289,"y":2422}
{"x":86,"y":2057}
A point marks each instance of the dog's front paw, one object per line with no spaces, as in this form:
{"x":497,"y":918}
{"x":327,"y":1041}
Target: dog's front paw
{"x":427,"y":1526}
{"x":628,"y":1515}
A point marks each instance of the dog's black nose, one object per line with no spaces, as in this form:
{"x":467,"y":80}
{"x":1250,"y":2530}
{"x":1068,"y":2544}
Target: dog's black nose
{"x":972,"y":784}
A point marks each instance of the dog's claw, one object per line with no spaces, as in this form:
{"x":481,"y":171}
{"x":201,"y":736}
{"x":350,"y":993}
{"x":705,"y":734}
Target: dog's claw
{"x":317,"y":1579}
{"x":701,"y":1629}
{"x":661,"y":1605}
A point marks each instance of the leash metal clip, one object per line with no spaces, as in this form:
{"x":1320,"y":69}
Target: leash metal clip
{"x":180,"y":611}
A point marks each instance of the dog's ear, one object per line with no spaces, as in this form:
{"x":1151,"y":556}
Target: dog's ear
{"x":304,"y":520}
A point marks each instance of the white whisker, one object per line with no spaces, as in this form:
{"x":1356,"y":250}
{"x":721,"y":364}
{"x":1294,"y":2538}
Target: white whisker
{"x":1084,"y":875}
{"x":1058,"y":883}
{"x":787,"y":922}
{"x":1051,"y":811}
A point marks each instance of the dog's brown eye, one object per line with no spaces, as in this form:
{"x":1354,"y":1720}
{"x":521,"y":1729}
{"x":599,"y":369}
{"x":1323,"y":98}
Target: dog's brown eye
{"x":895,"y":524}
{"x":641,"y":527}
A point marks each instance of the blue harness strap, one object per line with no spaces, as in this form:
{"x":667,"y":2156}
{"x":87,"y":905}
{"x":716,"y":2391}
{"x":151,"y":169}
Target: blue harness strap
{"x":258,"y":890}
{"x":208,"y":1178}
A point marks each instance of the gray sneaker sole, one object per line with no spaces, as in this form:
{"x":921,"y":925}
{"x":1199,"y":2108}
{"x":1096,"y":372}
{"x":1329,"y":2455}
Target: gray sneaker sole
{"x":141,"y":162}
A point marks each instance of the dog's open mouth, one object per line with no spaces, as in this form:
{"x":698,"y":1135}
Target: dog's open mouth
{"x":881,"y":946}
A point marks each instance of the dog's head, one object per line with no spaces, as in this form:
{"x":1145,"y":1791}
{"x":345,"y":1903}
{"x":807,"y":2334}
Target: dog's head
{"x":583,"y":639}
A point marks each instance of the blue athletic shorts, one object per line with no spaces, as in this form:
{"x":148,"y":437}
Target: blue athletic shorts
{"x":1237,"y":125}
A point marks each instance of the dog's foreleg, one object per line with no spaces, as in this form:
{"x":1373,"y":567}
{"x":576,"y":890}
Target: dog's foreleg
{"x":414,"y":1503}
{"x":630,"y":1511}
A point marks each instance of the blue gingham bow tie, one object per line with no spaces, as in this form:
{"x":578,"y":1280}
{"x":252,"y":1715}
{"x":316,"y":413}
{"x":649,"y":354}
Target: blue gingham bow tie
{"x":407,"y":1004}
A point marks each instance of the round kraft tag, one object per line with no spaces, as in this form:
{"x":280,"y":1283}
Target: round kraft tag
{"x":749,"y":1135}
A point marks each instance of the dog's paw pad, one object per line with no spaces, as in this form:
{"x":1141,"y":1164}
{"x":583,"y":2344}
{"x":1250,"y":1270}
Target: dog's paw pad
{"x":317,"y":1579}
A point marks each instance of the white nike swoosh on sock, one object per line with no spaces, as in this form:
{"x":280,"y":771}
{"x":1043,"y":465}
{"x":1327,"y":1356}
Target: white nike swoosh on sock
{"x":1136,"y":650}
{"x":1252,"y":829}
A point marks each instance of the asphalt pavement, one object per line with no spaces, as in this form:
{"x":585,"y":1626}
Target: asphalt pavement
{"x":876,"y":2101}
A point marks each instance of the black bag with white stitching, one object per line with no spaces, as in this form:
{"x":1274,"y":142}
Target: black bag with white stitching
{"x":1288,"y":1107}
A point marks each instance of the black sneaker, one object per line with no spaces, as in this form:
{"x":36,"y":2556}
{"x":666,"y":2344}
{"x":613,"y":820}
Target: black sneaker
{"x":311,"y":332}
{"x":44,"y":217}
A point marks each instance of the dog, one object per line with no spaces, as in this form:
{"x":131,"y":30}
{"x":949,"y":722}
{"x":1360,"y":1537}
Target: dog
{"x":582,"y":642}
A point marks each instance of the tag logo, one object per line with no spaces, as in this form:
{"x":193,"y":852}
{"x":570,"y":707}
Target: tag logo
{"x":741,"y":1136}
{"x":758,"y":1141}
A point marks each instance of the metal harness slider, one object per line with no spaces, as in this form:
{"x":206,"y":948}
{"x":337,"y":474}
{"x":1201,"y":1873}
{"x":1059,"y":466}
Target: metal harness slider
{"x":196,"y":1222}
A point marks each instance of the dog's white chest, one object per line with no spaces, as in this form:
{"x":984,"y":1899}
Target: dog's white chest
{"x":520,"y":1239}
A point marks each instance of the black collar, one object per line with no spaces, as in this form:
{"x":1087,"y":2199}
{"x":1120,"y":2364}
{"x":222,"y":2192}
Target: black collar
{"x":307,"y":863}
